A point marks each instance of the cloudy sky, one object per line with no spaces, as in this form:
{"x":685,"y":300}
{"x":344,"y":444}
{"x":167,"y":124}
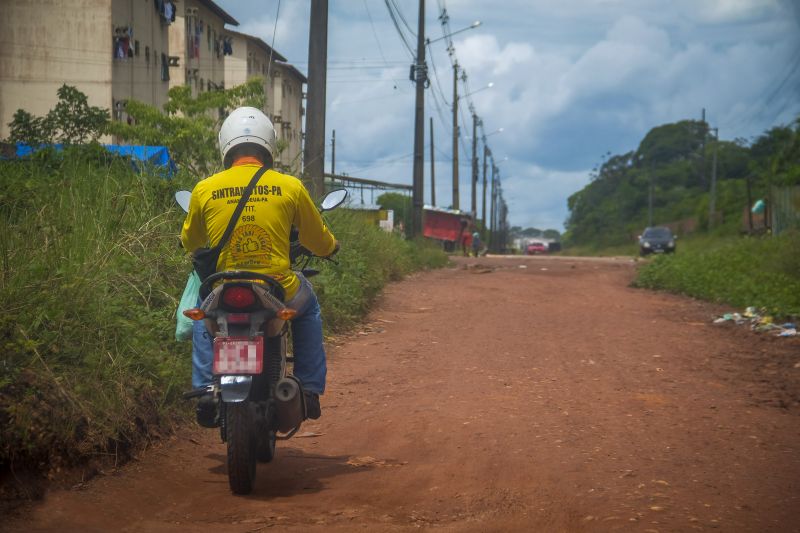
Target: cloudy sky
{"x":573,"y":80}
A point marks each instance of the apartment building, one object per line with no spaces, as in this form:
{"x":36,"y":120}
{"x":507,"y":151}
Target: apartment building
{"x":198,"y":45}
{"x":111,"y":50}
{"x":283,"y":88}
{"x":250,"y":58}
{"x":286,"y":110}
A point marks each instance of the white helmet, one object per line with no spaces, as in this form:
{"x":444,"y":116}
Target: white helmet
{"x":246,"y":125}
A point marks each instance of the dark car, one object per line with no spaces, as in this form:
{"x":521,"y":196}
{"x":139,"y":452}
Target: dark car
{"x":656,"y":240}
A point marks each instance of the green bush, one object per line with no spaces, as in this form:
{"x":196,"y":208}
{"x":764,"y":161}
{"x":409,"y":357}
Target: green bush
{"x":91,"y":277}
{"x":369,"y":258}
{"x":741,"y":272}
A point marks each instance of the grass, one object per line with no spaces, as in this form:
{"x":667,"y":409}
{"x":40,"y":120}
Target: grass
{"x":91,"y":277}
{"x":739,"y":271}
{"x":368,"y":259}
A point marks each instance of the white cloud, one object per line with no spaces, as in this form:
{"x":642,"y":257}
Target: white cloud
{"x":572,"y":81}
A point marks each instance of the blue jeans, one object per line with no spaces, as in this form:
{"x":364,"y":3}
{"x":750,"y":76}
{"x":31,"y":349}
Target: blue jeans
{"x":309,"y":353}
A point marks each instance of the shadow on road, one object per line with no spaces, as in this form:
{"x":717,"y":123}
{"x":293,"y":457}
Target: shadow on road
{"x":295,"y":472}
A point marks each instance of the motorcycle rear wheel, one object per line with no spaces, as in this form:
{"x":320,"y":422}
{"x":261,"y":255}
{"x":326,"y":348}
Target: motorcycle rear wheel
{"x":242,"y":446}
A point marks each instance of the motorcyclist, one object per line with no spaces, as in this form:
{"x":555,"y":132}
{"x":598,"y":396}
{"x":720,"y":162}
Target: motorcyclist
{"x":259,"y":243}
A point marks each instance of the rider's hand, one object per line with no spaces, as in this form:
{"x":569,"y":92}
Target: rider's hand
{"x":297,"y":250}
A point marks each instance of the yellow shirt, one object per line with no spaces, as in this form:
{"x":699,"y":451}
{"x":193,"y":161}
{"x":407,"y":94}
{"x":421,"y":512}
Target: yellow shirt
{"x":260,"y":239}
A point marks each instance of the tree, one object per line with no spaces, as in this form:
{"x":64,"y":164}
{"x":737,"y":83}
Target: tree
{"x":188,"y":125}
{"x":400,"y":204}
{"x":71,"y":121}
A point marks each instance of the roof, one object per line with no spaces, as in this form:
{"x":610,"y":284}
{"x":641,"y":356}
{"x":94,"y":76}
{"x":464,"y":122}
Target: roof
{"x":221,"y":13}
{"x":293,"y":70}
{"x":267,"y":48}
{"x":446,"y":210}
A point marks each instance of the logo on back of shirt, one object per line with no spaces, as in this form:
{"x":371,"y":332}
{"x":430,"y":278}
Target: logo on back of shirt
{"x":251,"y":246}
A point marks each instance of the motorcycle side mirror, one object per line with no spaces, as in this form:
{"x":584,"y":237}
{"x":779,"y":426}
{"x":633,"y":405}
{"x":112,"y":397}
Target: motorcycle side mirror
{"x":183,"y":197}
{"x":333,"y":199}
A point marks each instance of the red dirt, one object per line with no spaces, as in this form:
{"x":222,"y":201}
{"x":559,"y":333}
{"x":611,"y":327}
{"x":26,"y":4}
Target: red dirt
{"x":497,"y":398}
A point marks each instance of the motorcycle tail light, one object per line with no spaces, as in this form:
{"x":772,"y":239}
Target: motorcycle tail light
{"x":238,"y":297}
{"x":195,"y":313}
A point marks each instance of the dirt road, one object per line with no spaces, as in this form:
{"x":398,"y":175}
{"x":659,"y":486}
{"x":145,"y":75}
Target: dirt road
{"x":493,"y":397}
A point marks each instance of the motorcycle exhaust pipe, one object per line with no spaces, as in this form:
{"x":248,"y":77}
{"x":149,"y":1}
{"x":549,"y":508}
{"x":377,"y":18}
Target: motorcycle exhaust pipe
{"x":290,"y":408}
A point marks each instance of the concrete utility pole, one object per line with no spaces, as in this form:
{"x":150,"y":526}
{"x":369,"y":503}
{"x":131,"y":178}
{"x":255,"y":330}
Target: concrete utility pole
{"x":712,"y":202}
{"x":474,"y":205}
{"x":433,"y":170}
{"x":455,"y":136}
{"x":314,"y":154}
{"x":493,"y":209}
{"x":333,"y":153}
{"x":420,"y":76}
{"x":650,"y":198}
{"x":483,"y":207}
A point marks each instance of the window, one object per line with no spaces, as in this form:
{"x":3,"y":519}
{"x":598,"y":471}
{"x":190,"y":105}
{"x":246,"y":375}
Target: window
{"x":136,"y":48}
{"x":147,"y":55}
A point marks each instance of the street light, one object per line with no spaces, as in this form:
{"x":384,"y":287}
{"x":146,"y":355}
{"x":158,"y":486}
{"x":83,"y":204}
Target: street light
{"x":495,"y":132}
{"x":470,"y":27}
{"x":487,"y":86}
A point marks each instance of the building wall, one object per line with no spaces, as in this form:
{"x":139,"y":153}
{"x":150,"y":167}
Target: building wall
{"x":195,"y":22}
{"x":142,"y":75}
{"x":287,"y":113}
{"x":248,"y":60}
{"x":236,"y":64}
{"x":47,"y":44}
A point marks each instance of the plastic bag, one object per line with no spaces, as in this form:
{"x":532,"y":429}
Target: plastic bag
{"x":183,"y":328}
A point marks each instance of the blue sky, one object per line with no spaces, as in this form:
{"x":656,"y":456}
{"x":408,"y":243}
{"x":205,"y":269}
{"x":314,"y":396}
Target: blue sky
{"x":573,"y":80}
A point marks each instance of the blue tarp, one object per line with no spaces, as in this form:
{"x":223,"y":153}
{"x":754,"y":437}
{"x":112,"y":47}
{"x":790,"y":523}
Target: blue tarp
{"x":141,"y":156}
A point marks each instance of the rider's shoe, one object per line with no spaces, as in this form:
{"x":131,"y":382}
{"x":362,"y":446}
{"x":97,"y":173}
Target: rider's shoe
{"x":207,"y":411}
{"x":313,"y":409}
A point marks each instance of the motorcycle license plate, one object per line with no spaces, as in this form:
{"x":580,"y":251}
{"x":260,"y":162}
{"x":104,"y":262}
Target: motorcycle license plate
{"x":238,"y":355}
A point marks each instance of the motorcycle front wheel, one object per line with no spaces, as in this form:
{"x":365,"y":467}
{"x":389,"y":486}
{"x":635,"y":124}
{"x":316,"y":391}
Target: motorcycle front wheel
{"x":242,"y":446}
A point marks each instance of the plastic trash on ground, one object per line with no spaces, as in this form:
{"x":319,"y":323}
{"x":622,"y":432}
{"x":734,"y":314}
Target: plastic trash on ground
{"x":759,"y":322}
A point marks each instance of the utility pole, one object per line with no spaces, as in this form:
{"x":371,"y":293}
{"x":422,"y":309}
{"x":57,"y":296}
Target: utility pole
{"x":493,"y":210}
{"x":314,"y":154}
{"x":650,"y":199}
{"x":420,"y":76}
{"x":713,"y":197}
{"x":483,"y":207}
{"x":455,"y":135}
{"x":474,"y":205}
{"x":433,"y":170}
{"x":333,"y":153}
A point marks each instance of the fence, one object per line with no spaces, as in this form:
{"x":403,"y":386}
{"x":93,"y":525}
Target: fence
{"x":785,"y":208}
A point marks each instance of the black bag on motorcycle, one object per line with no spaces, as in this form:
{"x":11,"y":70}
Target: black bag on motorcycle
{"x":205,"y":260}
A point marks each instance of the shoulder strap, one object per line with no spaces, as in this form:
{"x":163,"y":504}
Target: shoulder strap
{"x":240,"y":207}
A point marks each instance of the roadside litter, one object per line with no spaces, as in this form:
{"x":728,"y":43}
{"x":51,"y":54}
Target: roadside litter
{"x":759,"y":322}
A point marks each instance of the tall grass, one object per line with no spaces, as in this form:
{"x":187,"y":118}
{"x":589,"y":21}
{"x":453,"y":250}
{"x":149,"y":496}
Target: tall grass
{"x":91,"y":277}
{"x":91,"y":271}
{"x":739,"y":271}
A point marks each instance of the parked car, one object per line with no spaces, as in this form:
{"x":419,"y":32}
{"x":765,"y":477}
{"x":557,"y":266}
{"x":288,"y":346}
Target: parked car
{"x":536,"y":248}
{"x":656,"y":240}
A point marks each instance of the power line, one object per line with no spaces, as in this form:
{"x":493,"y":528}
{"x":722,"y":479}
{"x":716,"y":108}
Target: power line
{"x":374,"y":33}
{"x":399,"y":30}
{"x":272,"y":46}
{"x":403,"y":19}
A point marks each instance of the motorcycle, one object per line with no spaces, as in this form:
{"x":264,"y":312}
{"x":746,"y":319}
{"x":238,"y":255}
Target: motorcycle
{"x":260,"y":402}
